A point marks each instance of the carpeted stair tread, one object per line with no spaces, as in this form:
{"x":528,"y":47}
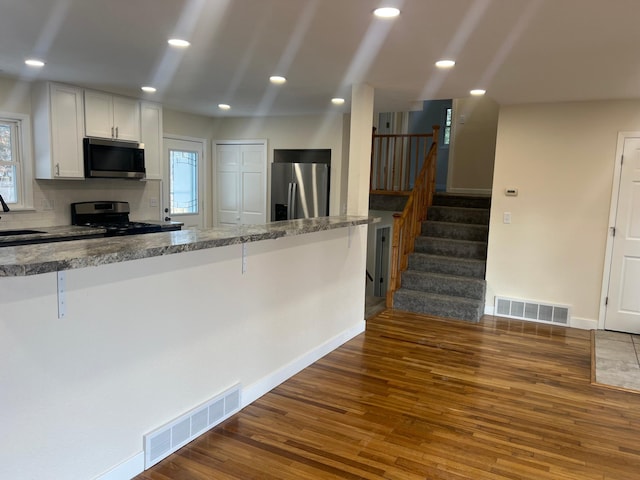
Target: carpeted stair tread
{"x":444,"y":284}
{"x":451,"y":247}
{"x":469,"y":267}
{"x":458,"y":231}
{"x":477,"y":216}
{"x":468,"y":201}
{"x":438,"y":305}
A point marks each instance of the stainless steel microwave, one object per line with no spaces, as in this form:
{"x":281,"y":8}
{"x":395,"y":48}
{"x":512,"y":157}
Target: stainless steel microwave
{"x":113,"y":159}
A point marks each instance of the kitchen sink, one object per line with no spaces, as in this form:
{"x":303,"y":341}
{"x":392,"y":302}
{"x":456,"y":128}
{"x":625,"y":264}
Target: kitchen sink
{"x":6,"y":233}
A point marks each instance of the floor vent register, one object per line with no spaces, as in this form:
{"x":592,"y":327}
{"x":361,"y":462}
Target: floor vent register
{"x":173,"y":435}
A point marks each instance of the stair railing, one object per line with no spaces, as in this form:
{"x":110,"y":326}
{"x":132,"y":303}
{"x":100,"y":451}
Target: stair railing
{"x":407,"y":225}
{"x":396,"y":160}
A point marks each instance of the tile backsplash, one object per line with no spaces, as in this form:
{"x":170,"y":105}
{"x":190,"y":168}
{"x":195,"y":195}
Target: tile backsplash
{"x":52,"y":200}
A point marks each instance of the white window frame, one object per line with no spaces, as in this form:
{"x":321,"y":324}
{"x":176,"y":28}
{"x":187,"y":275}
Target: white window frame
{"x":24,"y":180}
{"x":445,"y":144}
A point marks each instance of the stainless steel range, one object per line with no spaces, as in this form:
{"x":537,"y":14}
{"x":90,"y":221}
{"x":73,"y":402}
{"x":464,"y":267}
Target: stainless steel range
{"x":114,"y":217}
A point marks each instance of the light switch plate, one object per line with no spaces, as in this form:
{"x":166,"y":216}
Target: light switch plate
{"x":506,"y":217}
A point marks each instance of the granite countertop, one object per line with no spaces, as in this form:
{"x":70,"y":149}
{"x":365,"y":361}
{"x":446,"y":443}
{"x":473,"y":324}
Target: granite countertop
{"x":52,"y":234}
{"x":26,"y":260}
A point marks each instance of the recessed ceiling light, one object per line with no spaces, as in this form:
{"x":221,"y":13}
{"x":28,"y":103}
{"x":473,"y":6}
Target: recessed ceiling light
{"x":33,"y":62}
{"x":178,"y":42}
{"x":445,"y":63}
{"x":478,"y":92}
{"x":386,"y":12}
{"x":148,"y":89}
{"x":337,"y":101}
{"x":277,"y":79}
{"x":224,"y":106}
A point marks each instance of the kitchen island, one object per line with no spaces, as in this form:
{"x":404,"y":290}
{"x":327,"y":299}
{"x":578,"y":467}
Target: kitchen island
{"x":156,"y":325}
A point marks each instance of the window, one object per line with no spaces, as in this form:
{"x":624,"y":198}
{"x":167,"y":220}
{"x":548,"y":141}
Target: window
{"x":183,"y":182}
{"x":15,"y":160}
{"x":446,"y":131}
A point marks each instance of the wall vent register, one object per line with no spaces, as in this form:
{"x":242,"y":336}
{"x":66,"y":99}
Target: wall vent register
{"x":532,"y":311}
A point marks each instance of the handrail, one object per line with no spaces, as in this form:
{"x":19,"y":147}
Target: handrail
{"x":407,"y":225}
{"x":396,"y":160}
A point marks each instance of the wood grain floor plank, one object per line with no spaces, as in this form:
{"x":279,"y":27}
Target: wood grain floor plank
{"x":423,"y":398}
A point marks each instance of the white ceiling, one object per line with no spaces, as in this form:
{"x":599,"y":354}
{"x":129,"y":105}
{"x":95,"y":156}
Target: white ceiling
{"x":520,"y":51}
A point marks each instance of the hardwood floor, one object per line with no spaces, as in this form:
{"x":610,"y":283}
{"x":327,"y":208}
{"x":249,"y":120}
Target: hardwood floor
{"x":420,"y":398}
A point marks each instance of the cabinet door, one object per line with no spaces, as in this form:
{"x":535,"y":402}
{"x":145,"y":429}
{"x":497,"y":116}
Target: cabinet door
{"x":151,"y":136}
{"x":66,"y":132}
{"x":126,"y":119}
{"x":98,"y":114}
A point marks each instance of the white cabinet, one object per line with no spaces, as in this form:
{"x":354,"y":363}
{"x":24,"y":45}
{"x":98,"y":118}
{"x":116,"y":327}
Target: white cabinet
{"x":111,"y":116}
{"x":58,"y":123}
{"x":151,"y":135}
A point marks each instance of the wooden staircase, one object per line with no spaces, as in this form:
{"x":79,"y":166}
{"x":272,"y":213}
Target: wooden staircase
{"x":445,"y":273}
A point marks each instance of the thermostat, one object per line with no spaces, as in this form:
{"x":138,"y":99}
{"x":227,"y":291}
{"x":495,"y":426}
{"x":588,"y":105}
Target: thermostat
{"x":511,"y":192}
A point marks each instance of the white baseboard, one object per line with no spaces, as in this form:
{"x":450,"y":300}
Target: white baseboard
{"x":489,"y":309}
{"x":470,"y":191}
{"x":135,"y":465}
{"x":126,"y":470}
{"x":583,"y":323}
{"x":265,"y":385}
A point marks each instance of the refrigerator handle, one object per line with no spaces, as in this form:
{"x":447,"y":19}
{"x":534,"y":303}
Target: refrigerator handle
{"x":292,"y":202}
{"x":289,"y":200}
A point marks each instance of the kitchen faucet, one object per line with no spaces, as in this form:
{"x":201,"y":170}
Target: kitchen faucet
{"x":5,"y":207}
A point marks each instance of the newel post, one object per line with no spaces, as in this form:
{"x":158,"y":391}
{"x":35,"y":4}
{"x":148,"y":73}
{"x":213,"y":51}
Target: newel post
{"x":395,"y":260}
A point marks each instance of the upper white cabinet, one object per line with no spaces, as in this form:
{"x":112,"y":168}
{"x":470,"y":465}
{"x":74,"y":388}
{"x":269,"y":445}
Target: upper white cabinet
{"x":111,"y":116}
{"x":58,"y":123}
{"x":151,"y":130}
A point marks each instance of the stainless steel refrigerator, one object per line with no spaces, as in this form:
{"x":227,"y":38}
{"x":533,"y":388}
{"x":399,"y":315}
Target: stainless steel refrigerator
{"x":299,"y":190}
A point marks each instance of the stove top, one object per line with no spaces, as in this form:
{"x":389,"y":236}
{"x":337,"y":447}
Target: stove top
{"x":112,"y":216}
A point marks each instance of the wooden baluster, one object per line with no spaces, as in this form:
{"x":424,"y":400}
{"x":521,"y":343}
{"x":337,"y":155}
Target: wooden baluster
{"x":403,"y":161}
{"x":373,"y":165}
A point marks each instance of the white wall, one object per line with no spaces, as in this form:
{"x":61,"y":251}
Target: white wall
{"x":560,"y":157}
{"x":472,"y":146}
{"x":146,"y":340}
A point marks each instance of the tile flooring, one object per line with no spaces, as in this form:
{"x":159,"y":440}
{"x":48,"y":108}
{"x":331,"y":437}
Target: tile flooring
{"x":618,"y":359}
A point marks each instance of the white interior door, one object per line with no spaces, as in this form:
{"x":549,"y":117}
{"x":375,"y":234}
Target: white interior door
{"x":623,"y":308}
{"x":241,"y":183}
{"x":227,"y":184}
{"x":184,"y":188}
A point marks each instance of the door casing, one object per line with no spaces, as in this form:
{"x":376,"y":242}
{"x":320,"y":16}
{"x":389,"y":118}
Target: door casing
{"x":613,"y":212}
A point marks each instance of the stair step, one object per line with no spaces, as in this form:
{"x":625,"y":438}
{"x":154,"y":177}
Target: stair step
{"x":458,"y":231}
{"x":443,"y":284}
{"x":465,"y":267}
{"x":468,"y":201}
{"x":389,"y":203}
{"x":476,"y":216}
{"x":438,"y":305}
{"x":451,"y":248}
